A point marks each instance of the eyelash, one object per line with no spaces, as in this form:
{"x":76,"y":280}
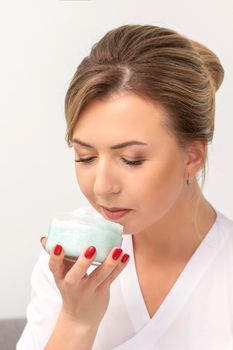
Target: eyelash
{"x":130,"y":163}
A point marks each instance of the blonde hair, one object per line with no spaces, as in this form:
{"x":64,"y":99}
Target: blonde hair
{"x":158,"y":64}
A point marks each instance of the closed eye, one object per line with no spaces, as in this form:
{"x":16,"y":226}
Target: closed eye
{"x":129,"y":162}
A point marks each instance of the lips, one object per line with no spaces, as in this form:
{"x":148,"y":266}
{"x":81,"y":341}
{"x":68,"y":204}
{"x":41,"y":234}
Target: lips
{"x":115,"y":209}
{"x":114,"y":215}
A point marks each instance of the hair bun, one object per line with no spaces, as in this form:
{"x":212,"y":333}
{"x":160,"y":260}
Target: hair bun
{"x":211,"y":62}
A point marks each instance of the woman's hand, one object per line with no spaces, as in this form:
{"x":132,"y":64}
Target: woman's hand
{"x":85,"y":297}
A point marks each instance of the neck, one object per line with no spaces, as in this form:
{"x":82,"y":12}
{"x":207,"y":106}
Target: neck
{"x":179,"y":232}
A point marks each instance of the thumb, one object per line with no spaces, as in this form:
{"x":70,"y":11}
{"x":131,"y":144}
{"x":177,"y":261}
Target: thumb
{"x":43,"y":241}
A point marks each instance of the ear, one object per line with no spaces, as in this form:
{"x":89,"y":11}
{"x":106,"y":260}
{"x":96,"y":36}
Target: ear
{"x":196,"y":153}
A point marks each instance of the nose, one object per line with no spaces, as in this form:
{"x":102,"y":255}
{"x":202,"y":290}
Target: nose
{"x":106,"y":180}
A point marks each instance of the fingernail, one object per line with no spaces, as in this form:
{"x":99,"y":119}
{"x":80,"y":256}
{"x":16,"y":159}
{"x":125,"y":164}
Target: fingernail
{"x":125,"y":257}
{"x":58,"y":249}
{"x":117,"y":252}
{"x":90,"y":252}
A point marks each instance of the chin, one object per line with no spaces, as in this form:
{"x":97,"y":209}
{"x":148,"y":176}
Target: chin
{"x":129,"y":231}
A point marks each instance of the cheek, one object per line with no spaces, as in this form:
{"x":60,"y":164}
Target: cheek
{"x":162,"y":186}
{"x":84,"y":183}
{"x":154,"y":197}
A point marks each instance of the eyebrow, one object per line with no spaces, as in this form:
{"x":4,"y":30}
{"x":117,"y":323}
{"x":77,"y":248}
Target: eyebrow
{"x":120,"y":145}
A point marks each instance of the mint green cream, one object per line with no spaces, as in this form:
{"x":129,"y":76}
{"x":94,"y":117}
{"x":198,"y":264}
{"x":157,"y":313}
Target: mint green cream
{"x":76,"y":231}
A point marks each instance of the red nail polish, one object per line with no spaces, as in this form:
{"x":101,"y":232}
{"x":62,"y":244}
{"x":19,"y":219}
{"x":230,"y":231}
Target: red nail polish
{"x":58,"y":249}
{"x":117,"y":252}
{"x":90,"y":252}
{"x":125,"y":257}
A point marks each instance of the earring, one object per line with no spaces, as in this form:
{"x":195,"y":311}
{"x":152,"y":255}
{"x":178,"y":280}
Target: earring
{"x":188,"y":181}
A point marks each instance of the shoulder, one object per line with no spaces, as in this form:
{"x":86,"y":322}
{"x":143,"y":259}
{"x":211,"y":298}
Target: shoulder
{"x":225,"y":225}
{"x":224,"y":238}
{"x":42,"y":278}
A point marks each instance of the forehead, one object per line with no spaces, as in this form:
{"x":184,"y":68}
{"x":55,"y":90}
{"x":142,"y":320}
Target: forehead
{"x":126,"y":113}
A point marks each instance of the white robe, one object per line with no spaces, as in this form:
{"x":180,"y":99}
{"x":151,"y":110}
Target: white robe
{"x":196,"y":314}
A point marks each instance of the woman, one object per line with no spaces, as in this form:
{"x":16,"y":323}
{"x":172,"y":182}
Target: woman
{"x":140,"y":114}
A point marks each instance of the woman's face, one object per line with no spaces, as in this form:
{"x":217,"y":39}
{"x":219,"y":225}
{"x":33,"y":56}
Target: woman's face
{"x":151,"y":188}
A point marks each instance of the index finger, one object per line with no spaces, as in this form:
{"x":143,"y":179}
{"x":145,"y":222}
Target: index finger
{"x":68,"y":263}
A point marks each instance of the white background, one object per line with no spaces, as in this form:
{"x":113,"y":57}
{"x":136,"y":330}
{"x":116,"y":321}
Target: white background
{"x":42,"y":43}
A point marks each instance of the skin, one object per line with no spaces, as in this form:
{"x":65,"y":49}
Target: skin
{"x":161,"y":220}
{"x":78,"y":323}
{"x":163,"y":206}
